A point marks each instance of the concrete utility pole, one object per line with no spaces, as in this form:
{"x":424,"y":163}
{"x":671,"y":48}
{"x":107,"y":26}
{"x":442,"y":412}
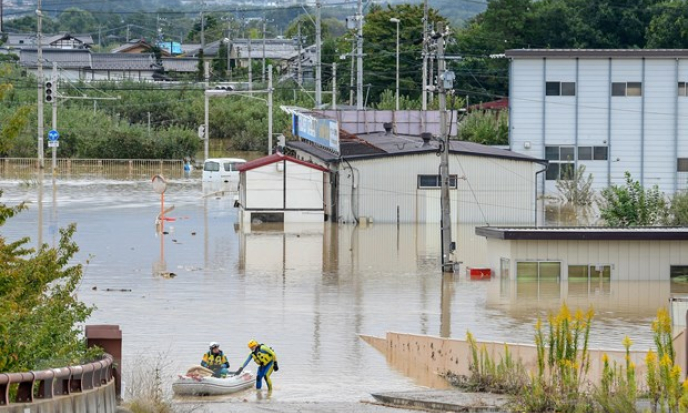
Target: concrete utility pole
{"x":206,"y":73}
{"x":425,"y":57}
{"x":39,"y":61}
{"x":447,"y":250}
{"x":318,"y":54}
{"x":359,"y":57}
{"x":53,"y":78}
{"x":250,"y":63}
{"x":353,"y":81}
{"x":334,"y":86}
{"x":269,"y":109}
{"x":300,"y":75}
{"x":202,"y":33}
{"x":262,"y":77}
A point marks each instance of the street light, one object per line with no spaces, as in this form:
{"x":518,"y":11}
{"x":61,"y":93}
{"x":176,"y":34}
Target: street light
{"x":397,"y":21}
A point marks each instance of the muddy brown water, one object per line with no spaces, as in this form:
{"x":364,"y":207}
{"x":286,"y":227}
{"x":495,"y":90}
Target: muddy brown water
{"x":306,"y":291}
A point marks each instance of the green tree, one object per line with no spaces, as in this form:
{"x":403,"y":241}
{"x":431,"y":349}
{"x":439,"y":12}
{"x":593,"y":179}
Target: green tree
{"x":679,"y":209}
{"x":632,"y":205}
{"x":380,"y":49}
{"x":39,"y":311}
{"x":488,"y":128}
{"x":74,"y":20}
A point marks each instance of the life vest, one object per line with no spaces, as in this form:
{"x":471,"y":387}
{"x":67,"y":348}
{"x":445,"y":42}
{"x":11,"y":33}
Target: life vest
{"x":215,"y":359}
{"x":263,"y":355}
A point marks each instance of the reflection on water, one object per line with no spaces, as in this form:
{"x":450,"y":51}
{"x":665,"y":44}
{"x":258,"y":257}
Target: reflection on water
{"x":306,"y":291}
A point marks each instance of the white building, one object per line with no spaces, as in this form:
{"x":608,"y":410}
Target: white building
{"x":587,"y":254}
{"x":610,"y":110}
{"x":280,"y":189}
{"x":384,"y":177}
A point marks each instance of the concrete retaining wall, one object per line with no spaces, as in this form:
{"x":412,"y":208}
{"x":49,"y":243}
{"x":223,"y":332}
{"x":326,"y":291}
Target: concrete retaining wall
{"x":424,"y":358}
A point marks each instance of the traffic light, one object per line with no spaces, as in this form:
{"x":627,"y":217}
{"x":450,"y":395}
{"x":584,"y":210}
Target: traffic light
{"x":50,"y":91}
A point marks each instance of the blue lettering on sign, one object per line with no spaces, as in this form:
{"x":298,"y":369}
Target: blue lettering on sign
{"x":53,"y":135}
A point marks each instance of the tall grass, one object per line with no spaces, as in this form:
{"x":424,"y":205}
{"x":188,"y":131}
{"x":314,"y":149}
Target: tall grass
{"x":560,"y":382}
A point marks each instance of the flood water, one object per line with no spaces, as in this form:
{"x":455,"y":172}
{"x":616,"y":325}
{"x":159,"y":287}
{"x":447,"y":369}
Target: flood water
{"x":306,"y":291}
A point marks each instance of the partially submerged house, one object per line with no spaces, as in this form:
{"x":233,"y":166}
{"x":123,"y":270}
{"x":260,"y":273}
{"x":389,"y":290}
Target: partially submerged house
{"x":282,"y":189}
{"x":394,"y":178}
{"x":587,"y":254}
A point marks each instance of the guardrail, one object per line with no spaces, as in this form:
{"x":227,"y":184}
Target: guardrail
{"x":26,"y":168}
{"x":48,"y":384}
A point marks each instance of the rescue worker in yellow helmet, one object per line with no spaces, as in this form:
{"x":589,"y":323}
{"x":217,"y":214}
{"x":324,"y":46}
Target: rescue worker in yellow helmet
{"x":215,"y":360}
{"x":266,"y":359}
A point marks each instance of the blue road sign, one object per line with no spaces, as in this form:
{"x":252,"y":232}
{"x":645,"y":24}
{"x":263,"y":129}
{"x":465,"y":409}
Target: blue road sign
{"x":53,"y":135}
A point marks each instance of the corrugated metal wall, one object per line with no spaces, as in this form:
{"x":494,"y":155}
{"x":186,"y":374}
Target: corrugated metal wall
{"x":494,"y":191}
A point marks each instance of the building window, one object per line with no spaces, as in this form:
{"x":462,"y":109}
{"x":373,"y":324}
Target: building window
{"x":560,"y":88}
{"x":538,"y":270}
{"x":561,"y":166}
{"x":590,"y":278}
{"x":597,"y":272}
{"x":627,"y":89}
{"x":601,"y":153}
{"x":435,"y":182}
{"x":682,"y":89}
{"x":585,"y":153}
{"x":682,"y":165}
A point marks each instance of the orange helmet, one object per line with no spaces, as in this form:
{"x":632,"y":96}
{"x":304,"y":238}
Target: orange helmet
{"x":252,"y":344}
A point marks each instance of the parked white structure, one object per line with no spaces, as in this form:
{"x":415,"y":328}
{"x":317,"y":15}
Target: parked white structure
{"x":281,"y":189}
{"x":610,"y":110}
{"x":383,"y":177}
{"x":587,"y":254}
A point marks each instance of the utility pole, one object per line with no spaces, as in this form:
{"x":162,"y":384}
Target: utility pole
{"x":262,"y":77}
{"x":431,"y":62}
{"x":229,"y":50}
{"x":334,"y":86}
{"x":318,"y":55}
{"x":352,"y":84}
{"x":359,"y":52}
{"x":39,"y":60}
{"x":425,"y":58}
{"x":128,"y":32}
{"x":202,"y":33}
{"x":447,"y":250}
{"x":269,"y":109}
{"x":300,"y":75}
{"x":206,"y":73}
{"x":53,"y":79}
{"x":250,"y":63}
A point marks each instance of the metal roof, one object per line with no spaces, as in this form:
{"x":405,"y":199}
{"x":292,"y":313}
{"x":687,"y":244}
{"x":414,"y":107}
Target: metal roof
{"x":585,"y":233}
{"x":274,"y":158}
{"x":383,"y":144}
{"x":597,"y":53}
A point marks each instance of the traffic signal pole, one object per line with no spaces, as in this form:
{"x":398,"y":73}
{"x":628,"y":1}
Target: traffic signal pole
{"x":53,"y":78}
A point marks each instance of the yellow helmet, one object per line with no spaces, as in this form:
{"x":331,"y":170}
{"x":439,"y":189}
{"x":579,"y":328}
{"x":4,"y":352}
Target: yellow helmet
{"x":252,"y":344}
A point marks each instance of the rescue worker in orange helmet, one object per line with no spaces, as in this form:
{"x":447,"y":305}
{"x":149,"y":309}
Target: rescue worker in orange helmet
{"x":266,"y":359}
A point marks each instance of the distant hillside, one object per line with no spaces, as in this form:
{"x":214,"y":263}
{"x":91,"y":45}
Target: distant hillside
{"x":457,"y":11}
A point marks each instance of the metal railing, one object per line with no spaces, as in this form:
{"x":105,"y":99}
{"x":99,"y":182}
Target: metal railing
{"x":47,"y":384}
{"x":127,"y":169}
